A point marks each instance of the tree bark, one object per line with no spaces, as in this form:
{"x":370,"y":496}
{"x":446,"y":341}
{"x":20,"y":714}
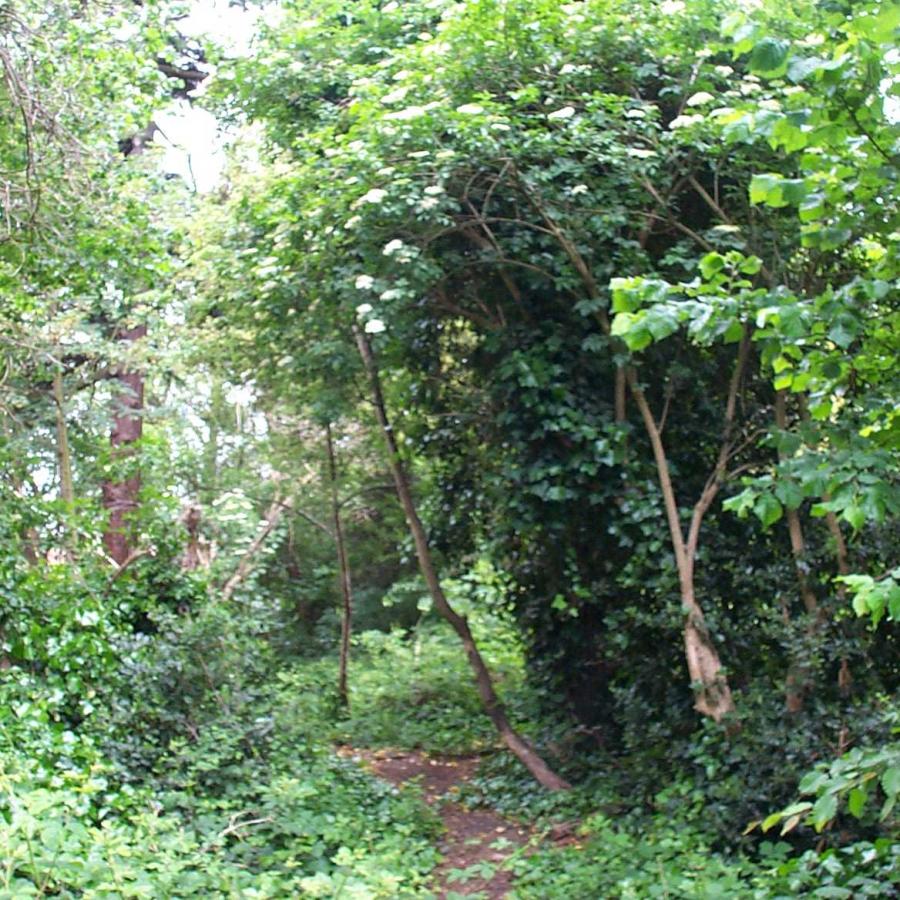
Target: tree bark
{"x":712,"y":693}
{"x":483,"y":680}
{"x":795,"y":528}
{"x":842,"y":558}
{"x":120,"y":498}
{"x":343,"y":569}
{"x":797,"y":681}
{"x":196,"y":552}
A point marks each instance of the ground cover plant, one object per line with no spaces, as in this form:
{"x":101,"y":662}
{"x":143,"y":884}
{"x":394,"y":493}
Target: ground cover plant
{"x":485,"y":486}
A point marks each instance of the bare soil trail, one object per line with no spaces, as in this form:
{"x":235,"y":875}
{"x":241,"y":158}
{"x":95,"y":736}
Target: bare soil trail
{"x":476,"y":842}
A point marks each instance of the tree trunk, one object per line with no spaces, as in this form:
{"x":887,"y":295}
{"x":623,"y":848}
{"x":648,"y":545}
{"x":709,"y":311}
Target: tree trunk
{"x":196,"y":552}
{"x":842,"y":558}
{"x":120,"y":498}
{"x":797,"y":681}
{"x":712,"y":694}
{"x":483,"y":680}
{"x":344,"y":570}
{"x":795,"y":528}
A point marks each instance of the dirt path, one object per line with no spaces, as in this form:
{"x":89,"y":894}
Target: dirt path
{"x":476,"y":842}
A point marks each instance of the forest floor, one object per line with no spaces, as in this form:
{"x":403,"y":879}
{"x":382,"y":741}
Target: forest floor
{"x":477,"y":843}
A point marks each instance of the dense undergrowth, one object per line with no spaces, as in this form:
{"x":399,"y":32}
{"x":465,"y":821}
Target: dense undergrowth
{"x":605,"y":293}
{"x":206,"y":766}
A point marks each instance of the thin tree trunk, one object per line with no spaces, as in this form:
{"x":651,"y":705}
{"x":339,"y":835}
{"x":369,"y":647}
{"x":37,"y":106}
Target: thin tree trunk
{"x":797,"y":682}
{"x":193,"y":557}
{"x":795,"y":528}
{"x":344,"y":569}
{"x":483,"y":680}
{"x":712,"y":694}
{"x":842,"y":558}
{"x":276,"y":510}
{"x":120,"y":498}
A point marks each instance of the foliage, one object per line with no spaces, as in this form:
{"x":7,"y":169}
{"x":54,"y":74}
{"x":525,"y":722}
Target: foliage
{"x":852,"y":779}
{"x":560,"y":226}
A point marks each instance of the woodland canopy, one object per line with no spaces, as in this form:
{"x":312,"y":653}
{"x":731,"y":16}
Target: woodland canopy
{"x":516,"y":420}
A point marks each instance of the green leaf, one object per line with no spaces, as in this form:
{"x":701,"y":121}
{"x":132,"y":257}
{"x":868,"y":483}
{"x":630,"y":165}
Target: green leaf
{"x":811,"y":782}
{"x":622,"y":323}
{"x":783,"y":382}
{"x":824,"y":810}
{"x":855,"y":516}
{"x":799,"y":68}
{"x":740,"y":504}
{"x":769,"y":55}
{"x":794,"y":190}
{"x":797,"y":808}
{"x":812,"y":207}
{"x":750,"y":265}
{"x":890,"y":781}
{"x":734,"y":332}
{"x":880,"y":27}
{"x":661,"y":322}
{"x":768,"y":509}
{"x":857,"y":801}
{"x":762,"y":187}
{"x":893,"y":603}
{"x":789,"y":493}
{"x":844,"y":331}
{"x":711,"y":264}
{"x":623,"y":295}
